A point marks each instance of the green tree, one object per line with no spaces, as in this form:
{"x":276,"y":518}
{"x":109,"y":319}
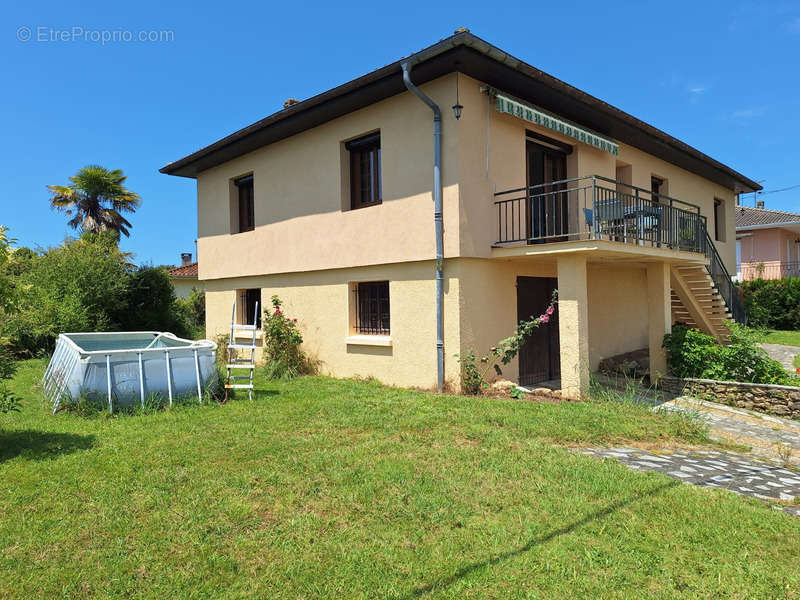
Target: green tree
{"x":5,"y":277}
{"x":95,"y":200}
{"x":81,"y":285}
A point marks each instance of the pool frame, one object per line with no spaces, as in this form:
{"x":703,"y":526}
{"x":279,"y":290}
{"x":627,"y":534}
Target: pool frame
{"x":69,"y":365}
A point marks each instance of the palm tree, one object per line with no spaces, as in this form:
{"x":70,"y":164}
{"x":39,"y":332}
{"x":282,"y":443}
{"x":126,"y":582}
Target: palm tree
{"x":96,"y":199}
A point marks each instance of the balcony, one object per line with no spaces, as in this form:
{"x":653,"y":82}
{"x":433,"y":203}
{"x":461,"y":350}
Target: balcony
{"x":749,"y":271}
{"x":597,"y":208}
{"x":623,"y":218}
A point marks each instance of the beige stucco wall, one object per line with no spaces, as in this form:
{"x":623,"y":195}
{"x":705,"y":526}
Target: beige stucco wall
{"x":299,"y":184}
{"x":321,"y":300}
{"x":183,"y":286}
{"x":480,"y":309}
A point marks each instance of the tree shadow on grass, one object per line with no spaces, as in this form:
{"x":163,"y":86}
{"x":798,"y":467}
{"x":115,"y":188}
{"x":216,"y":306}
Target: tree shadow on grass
{"x":543,"y":539}
{"x":41,"y":445}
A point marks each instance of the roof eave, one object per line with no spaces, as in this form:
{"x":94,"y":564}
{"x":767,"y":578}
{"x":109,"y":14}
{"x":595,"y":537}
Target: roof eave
{"x":769,"y":225}
{"x":387,"y":81}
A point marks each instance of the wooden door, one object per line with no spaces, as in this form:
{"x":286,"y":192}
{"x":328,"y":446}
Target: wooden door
{"x":539,"y":357}
{"x":548,"y":211}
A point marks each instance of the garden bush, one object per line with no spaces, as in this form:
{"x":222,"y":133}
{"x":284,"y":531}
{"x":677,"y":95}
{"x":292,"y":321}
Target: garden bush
{"x":773,"y":303}
{"x":85,"y":284}
{"x":691,"y":353}
{"x":282,"y":345}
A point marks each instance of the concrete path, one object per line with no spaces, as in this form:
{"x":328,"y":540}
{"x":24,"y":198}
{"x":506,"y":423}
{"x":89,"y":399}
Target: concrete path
{"x":765,"y":480}
{"x":769,"y":469}
{"x":767,"y":436}
{"x":783,"y":354}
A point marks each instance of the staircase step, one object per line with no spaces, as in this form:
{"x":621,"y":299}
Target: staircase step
{"x":242,"y":346}
{"x":240,"y":366}
{"x":239,"y":386}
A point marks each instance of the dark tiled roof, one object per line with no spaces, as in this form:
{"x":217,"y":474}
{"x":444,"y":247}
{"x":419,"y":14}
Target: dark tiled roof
{"x":468,"y":54}
{"x":747,"y":216}
{"x":189,"y":270}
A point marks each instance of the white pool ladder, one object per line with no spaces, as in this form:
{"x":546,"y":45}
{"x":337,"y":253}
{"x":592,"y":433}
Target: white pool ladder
{"x":235,"y":361}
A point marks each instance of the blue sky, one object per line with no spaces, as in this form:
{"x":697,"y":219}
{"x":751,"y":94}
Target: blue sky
{"x":721,"y":76}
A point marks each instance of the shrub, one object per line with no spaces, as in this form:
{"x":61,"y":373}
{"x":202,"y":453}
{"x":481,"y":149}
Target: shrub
{"x":282,"y":340}
{"x":691,"y":353}
{"x":192,"y":311}
{"x":78,"y":286}
{"x":150,"y":303}
{"x":85,"y":284}
{"x":773,"y":303}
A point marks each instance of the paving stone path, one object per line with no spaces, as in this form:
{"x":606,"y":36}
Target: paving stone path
{"x":783,"y":354}
{"x":766,"y":435}
{"x":763,"y":479}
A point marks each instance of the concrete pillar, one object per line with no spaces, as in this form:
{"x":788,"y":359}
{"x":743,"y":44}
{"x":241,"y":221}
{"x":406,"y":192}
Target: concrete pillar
{"x":659,"y":315}
{"x":573,"y":324}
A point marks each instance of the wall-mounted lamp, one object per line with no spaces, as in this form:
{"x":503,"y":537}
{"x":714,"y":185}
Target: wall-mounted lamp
{"x":457,"y":106}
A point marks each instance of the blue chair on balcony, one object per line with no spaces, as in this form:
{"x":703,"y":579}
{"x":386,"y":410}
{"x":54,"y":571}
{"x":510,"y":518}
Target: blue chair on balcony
{"x":588,"y":214}
{"x":609,"y":219}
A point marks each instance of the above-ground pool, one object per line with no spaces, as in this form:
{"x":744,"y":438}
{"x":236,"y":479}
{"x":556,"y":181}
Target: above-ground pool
{"x":128,"y":367}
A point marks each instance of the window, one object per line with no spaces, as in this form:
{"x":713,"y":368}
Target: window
{"x":372,"y":307}
{"x":657,"y":187}
{"x":246,"y":307}
{"x":245,"y":204}
{"x":365,"y":171}
{"x":719,"y":220}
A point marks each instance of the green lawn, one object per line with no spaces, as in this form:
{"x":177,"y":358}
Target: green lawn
{"x":786,"y":338}
{"x":342,"y":489}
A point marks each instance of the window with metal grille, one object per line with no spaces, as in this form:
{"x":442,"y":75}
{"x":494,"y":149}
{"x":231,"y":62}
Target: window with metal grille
{"x":246,"y":303}
{"x":365,"y":171}
{"x":246,"y":204}
{"x":372,"y":307}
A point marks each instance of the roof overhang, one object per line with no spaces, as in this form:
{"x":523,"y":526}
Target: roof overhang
{"x":468,"y":54}
{"x":791,"y":225}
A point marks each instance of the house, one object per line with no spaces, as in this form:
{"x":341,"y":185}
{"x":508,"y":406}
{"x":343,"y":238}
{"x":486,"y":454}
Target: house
{"x":184,"y":278}
{"x":421,"y":210}
{"x":767,"y":243}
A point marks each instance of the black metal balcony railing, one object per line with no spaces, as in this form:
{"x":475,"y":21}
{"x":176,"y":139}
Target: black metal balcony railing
{"x":596,"y":207}
{"x":723,"y":282}
{"x":768,"y":270}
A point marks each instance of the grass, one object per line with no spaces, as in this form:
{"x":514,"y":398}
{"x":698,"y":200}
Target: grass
{"x":325,"y":488}
{"x":785,"y":338}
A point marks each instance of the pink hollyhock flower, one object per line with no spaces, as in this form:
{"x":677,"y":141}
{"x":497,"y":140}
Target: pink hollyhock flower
{"x":544,"y":318}
{"x":294,"y":320}
{"x":550,"y":310}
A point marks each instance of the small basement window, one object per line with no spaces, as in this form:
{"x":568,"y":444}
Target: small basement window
{"x":246,"y":302}
{"x":245,"y":205}
{"x":371,"y":308}
{"x":365,"y":171}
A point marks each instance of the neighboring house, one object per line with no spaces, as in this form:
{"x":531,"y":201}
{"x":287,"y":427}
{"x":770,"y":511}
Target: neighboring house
{"x":333,"y":203}
{"x":184,"y":278}
{"x":767,"y":243}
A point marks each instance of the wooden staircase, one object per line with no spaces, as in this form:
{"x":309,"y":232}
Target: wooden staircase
{"x":697,"y":302}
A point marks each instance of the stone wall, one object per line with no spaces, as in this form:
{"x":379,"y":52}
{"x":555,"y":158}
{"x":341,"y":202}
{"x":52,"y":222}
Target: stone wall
{"x":778,"y":400}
